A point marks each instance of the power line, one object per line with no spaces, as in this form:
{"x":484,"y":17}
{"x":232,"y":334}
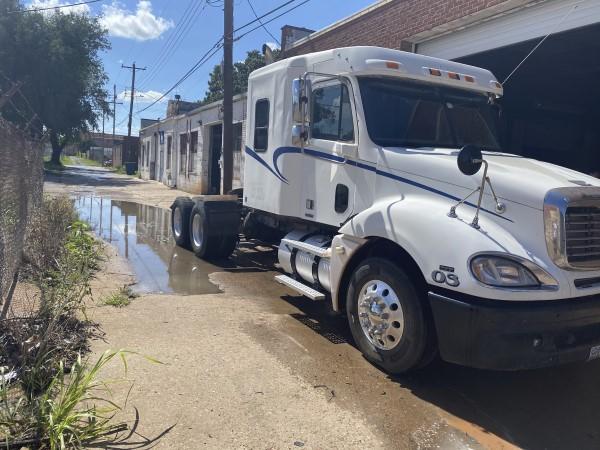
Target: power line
{"x":53,"y":7}
{"x":268,"y":13}
{"x":174,"y":39}
{"x":214,"y":49}
{"x":263,"y":25}
{"x":218,"y":45}
{"x":270,"y":20}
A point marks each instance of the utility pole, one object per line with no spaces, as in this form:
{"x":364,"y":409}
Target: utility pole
{"x":228,"y":97}
{"x":133,"y":70}
{"x":115,"y":103}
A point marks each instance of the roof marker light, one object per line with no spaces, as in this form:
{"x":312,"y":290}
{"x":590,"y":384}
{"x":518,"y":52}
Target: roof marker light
{"x":435,"y":72}
{"x":453,"y":75}
{"x":392,"y":65}
{"x":469,"y":78}
{"x":496,"y":84}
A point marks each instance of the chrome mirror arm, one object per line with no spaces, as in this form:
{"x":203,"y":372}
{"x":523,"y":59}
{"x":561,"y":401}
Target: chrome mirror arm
{"x":452,"y":212}
{"x":500,"y":207}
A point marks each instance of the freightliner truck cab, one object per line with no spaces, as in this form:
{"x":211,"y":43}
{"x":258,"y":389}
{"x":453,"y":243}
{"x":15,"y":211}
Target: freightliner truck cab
{"x":380,"y":177}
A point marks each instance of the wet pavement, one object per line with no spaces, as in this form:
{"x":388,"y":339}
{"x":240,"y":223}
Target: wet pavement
{"x":445,"y":406}
{"x":142,"y":235}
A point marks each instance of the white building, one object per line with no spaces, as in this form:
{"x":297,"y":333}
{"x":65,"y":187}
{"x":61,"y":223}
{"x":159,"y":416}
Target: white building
{"x":184,"y":150}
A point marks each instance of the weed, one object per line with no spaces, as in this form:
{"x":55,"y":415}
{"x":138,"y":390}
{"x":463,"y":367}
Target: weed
{"x":121,"y":298}
{"x":76,"y":409}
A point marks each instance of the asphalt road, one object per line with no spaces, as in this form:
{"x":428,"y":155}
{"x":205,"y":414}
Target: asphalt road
{"x":251,"y":365}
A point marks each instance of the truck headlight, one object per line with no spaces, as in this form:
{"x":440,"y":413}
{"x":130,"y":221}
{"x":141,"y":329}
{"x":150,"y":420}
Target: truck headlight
{"x":510,"y":272}
{"x":554,"y":233}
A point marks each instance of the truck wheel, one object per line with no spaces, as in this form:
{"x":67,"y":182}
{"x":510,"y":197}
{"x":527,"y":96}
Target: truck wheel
{"x":203,"y":245}
{"x":386,"y":317}
{"x":228,"y":245}
{"x":180,"y":214}
{"x":208,"y":243}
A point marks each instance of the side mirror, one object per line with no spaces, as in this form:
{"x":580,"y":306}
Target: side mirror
{"x":469,"y":159}
{"x":299,"y":137}
{"x":300,"y":94}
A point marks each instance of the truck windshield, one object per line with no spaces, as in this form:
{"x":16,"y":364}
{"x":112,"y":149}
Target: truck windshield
{"x":404,"y":113}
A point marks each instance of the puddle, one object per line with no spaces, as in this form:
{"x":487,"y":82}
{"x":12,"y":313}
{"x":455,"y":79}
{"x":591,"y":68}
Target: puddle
{"x":142,"y":234}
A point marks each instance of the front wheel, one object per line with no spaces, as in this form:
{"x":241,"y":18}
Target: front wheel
{"x":386,"y":317}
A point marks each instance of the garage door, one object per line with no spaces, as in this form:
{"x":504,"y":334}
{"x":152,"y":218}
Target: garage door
{"x":527,"y":23}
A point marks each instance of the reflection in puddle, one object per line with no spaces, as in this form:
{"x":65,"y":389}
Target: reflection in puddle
{"x":142,"y":234}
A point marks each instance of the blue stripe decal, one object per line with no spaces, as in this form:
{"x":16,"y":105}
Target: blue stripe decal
{"x":282,"y":151}
{"x":329,"y":157}
{"x":253,"y":154}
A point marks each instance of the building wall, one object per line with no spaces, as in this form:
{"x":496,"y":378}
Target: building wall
{"x":395,"y":21}
{"x":176,"y":174}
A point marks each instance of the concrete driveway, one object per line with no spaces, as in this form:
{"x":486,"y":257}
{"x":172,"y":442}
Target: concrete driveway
{"x":251,"y":365}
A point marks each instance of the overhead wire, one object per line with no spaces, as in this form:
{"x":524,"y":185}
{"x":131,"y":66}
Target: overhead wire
{"x":237,"y":38}
{"x":214,"y":49}
{"x":218,"y":45}
{"x":263,"y":25}
{"x":174,"y":40}
{"x":18,"y":11}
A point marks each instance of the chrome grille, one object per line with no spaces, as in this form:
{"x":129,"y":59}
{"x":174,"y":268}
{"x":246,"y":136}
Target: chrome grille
{"x":582,"y":225}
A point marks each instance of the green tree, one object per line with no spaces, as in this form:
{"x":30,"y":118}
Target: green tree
{"x":56,"y":58}
{"x":241,"y":71}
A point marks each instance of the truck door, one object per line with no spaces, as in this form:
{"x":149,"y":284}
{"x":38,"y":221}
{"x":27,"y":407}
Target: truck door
{"x":330,"y":187}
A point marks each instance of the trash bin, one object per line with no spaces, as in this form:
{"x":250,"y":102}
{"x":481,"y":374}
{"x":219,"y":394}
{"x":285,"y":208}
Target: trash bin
{"x":130,"y":168}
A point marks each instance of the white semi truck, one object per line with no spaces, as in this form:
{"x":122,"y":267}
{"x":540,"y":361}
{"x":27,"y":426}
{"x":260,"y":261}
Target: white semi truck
{"x":380,"y":175}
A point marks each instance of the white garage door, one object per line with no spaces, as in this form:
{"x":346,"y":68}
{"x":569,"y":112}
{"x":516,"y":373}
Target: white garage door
{"x":528,"y":23}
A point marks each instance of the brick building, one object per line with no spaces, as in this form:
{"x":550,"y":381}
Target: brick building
{"x":550,"y":110}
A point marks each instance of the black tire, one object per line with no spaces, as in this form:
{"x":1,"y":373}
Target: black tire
{"x":204,"y":244}
{"x":183,"y":206}
{"x":410,"y":350}
{"x":228,"y":245}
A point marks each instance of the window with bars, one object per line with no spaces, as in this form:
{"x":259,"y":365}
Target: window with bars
{"x":169,"y":145}
{"x":193,"y":150}
{"x":182,"y":152}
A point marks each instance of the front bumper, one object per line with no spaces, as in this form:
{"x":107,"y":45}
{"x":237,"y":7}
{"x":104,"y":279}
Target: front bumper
{"x":508,"y":335}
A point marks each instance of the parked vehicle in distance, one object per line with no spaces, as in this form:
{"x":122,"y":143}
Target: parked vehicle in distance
{"x":380,"y":175}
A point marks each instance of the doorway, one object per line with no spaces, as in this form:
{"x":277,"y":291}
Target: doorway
{"x":214,"y":166}
{"x":153,"y":157}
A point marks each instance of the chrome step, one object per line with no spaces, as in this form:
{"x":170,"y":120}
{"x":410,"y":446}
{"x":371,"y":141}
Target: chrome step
{"x":309,"y":248}
{"x":303,"y":289}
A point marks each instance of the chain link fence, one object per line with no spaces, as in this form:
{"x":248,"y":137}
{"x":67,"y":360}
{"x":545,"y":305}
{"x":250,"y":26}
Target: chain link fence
{"x":21,"y":184}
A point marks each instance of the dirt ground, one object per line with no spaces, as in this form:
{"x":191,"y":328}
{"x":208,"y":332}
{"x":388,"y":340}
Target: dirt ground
{"x":254,"y":366}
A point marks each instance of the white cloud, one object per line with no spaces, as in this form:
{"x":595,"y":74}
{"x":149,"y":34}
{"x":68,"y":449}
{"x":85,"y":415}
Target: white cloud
{"x":42,"y":4}
{"x":143,"y":96}
{"x":140,"y":25}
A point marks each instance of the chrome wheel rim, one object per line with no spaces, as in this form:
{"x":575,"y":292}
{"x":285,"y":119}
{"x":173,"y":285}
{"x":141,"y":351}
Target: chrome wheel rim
{"x":197,"y":231}
{"x":177,"y":222}
{"x":380,"y":314}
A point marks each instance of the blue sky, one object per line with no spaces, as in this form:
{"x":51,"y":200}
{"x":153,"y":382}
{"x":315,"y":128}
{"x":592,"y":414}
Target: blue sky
{"x":144,"y":30}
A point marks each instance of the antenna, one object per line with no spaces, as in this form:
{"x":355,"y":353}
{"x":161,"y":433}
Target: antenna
{"x":573,"y":8}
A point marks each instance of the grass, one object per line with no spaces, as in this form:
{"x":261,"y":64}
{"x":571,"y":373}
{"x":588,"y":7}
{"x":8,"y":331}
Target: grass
{"x":67,"y":160}
{"x":76,"y":408}
{"x":121,"y":298}
{"x":121,"y":171}
{"x":58,"y":400}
